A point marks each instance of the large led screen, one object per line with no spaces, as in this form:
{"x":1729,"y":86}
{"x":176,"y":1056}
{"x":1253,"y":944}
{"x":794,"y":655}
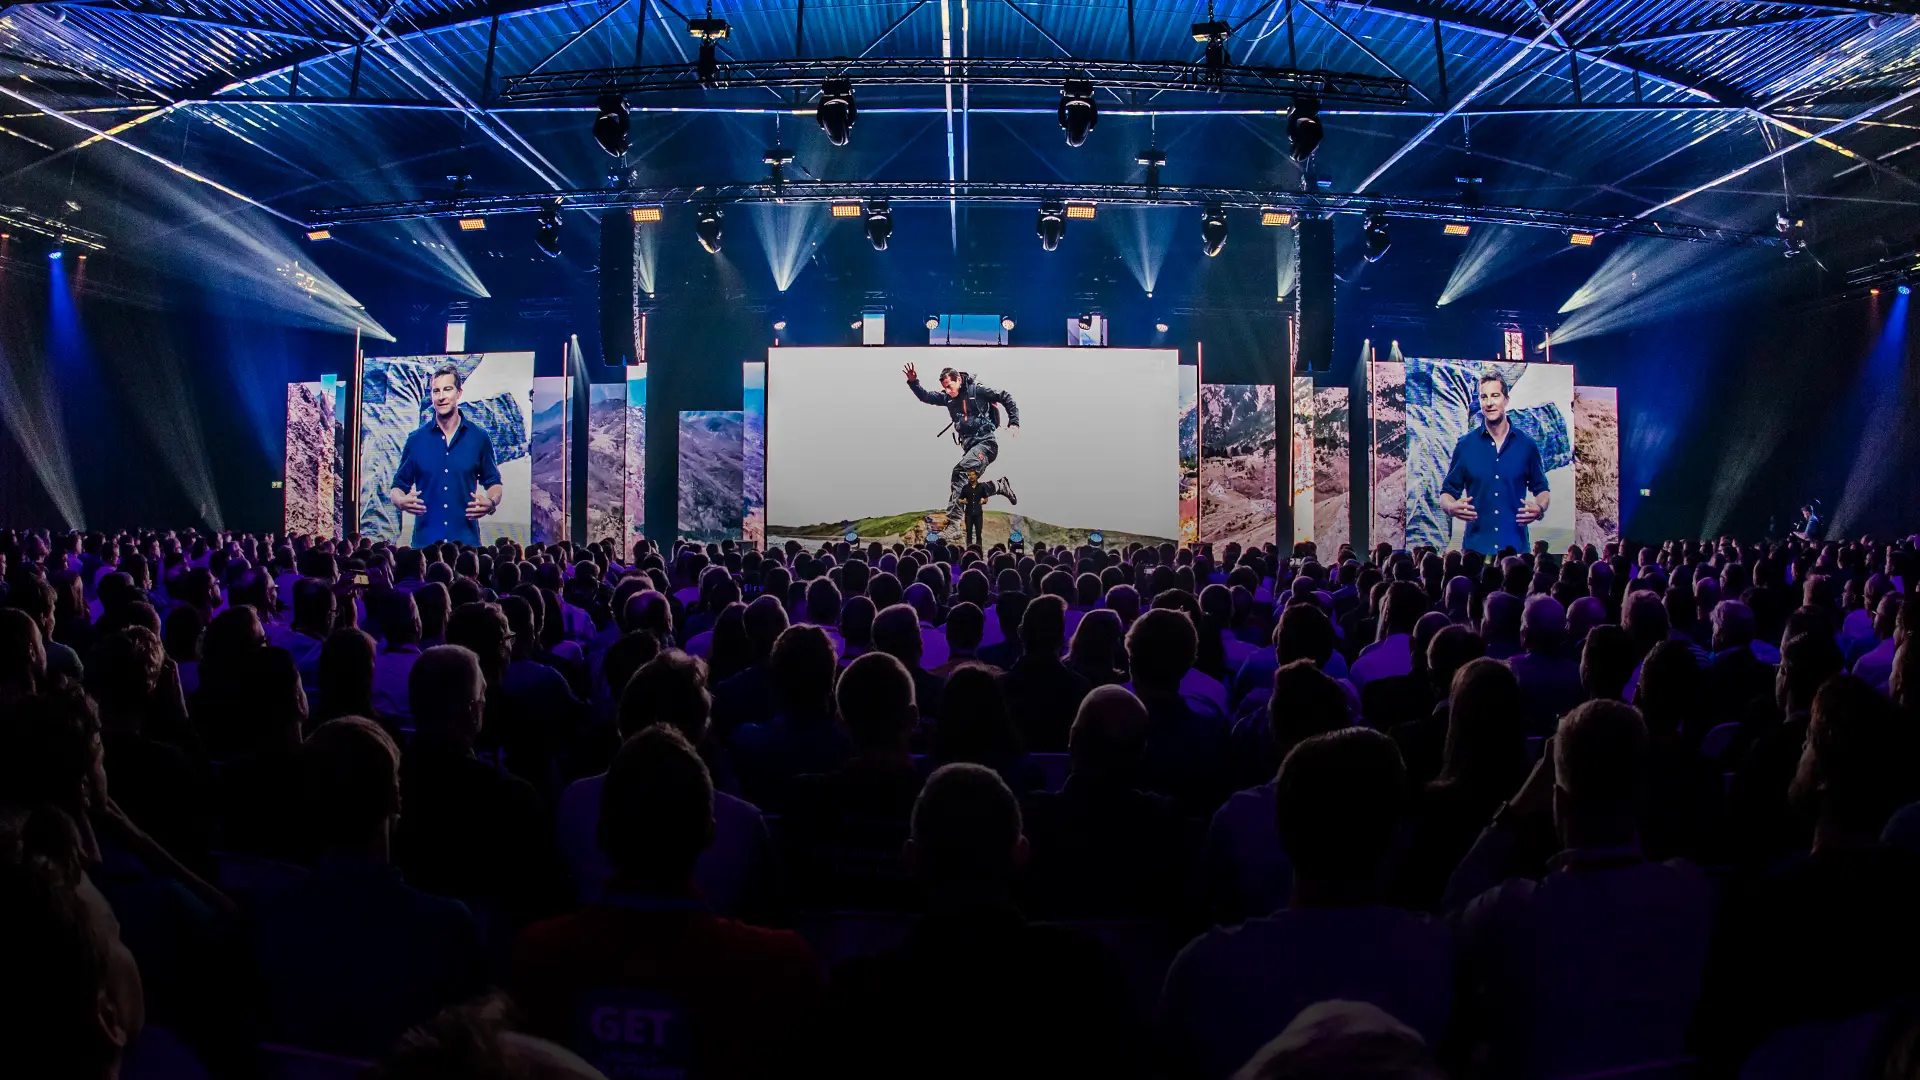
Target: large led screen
{"x":852,"y":447}
{"x":495,"y":396}
{"x":1441,"y":406}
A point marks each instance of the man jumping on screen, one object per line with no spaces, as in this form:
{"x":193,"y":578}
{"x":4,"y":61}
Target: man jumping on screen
{"x":975,"y":421}
{"x":1496,"y":484}
{"x":447,"y":463}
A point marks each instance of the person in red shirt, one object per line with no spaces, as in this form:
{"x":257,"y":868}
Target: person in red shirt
{"x":648,"y":982}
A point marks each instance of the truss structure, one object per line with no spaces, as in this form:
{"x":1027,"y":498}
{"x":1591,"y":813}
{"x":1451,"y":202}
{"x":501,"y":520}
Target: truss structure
{"x":24,"y":220}
{"x":1151,"y":77}
{"x":896,"y":193}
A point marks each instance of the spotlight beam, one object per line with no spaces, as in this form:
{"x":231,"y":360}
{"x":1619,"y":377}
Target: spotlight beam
{"x":1467,"y":98}
{"x":1864,"y":114}
{"x":148,"y":154}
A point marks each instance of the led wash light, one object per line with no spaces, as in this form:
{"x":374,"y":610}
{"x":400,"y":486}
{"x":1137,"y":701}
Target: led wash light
{"x":1456,"y":228}
{"x":846,"y":209}
{"x":645,"y":214}
{"x":1080,"y":211}
{"x":320,"y":234}
{"x":1581,"y":239}
{"x":473,"y":224}
{"x":1276,"y":218}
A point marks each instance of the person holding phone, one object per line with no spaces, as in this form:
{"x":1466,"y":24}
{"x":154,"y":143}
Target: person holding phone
{"x":448,"y":479}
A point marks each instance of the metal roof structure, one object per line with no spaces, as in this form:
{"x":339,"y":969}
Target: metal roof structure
{"x":1715,"y":114}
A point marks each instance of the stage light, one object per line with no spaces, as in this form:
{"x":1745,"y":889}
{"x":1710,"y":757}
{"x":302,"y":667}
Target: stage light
{"x":320,"y":234}
{"x":612,"y":124}
{"x":1277,"y":218}
{"x":1154,"y":160}
{"x":1377,"y":236}
{"x":1455,"y":228}
{"x":1904,"y":290}
{"x":835,"y":112}
{"x":1052,"y":226}
{"x":857,"y":323}
{"x":1161,"y":326}
{"x":56,"y":253}
{"x":847,"y":209}
{"x":1081,"y":211}
{"x":879,"y":223}
{"x":1303,"y":128}
{"x":707,"y":228}
{"x":779,"y":324}
{"x":1873,"y":292}
{"x":1581,"y":239}
{"x":1078,"y":114}
{"x":473,"y":224}
{"x":644,"y":214}
{"x":1006,"y":322}
{"x":546,"y":236}
{"x":777,"y":158}
{"x":933,"y":322}
{"x":708,"y":30}
{"x":1213,"y":33}
{"x":1213,"y":230}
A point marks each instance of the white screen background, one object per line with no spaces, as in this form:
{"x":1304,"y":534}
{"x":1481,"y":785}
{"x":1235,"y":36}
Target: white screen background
{"x":1098,"y":446}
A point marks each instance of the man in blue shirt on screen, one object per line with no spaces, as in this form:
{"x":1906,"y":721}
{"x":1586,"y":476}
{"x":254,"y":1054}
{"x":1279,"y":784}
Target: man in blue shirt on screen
{"x":1496,"y":483}
{"x":447,"y":476}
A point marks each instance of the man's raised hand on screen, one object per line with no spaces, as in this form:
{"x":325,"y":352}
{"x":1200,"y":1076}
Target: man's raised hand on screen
{"x":912,"y":375}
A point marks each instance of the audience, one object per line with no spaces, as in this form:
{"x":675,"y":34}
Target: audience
{"x":1173,"y":732}
{"x":1337,"y":806}
{"x":648,"y":981}
{"x":1596,"y":965}
{"x":976,"y":990}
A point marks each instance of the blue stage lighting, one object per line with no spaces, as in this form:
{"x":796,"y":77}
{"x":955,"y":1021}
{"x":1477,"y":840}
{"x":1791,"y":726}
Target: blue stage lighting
{"x":57,"y":253}
{"x":1905,"y":290}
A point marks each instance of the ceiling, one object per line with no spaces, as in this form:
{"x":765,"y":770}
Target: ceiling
{"x":1702,"y":111}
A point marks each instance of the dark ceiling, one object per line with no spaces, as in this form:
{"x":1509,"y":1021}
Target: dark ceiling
{"x":1701,"y":111}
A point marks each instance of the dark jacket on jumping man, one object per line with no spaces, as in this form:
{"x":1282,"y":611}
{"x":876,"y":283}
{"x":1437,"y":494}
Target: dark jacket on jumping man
{"x":972,"y":409}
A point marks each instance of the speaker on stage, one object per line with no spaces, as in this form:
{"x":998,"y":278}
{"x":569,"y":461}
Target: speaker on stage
{"x":619,"y":291}
{"x":1313,"y":293}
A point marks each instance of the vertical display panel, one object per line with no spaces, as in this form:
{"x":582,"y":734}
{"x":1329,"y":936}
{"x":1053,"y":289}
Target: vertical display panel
{"x":1596,"y":464}
{"x":1239,"y":464}
{"x":550,"y":458}
{"x":712,"y":481}
{"x":1332,"y":470}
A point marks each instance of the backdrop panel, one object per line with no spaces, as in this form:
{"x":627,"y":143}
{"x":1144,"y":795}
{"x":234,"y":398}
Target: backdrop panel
{"x":1239,"y":463}
{"x":634,"y":485}
{"x":1190,"y":425}
{"x":607,"y":419}
{"x":496,"y":396}
{"x":548,"y":442}
{"x":712,"y":484}
{"x":1300,"y":481}
{"x":1387,"y":457}
{"x":313,"y":486}
{"x":1332,"y":470}
{"x":850,"y":447}
{"x":753,"y":401}
{"x":1596,"y":464}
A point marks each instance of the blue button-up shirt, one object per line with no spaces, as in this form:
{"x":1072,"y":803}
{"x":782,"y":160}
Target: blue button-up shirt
{"x":446,"y":472}
{"x":1499,"y":479}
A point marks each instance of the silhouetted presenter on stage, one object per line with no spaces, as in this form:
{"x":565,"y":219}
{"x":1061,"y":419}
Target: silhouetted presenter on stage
{"x":971,"y":406}
{"x":447,"y":476}
{"x":1496,"y":484}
